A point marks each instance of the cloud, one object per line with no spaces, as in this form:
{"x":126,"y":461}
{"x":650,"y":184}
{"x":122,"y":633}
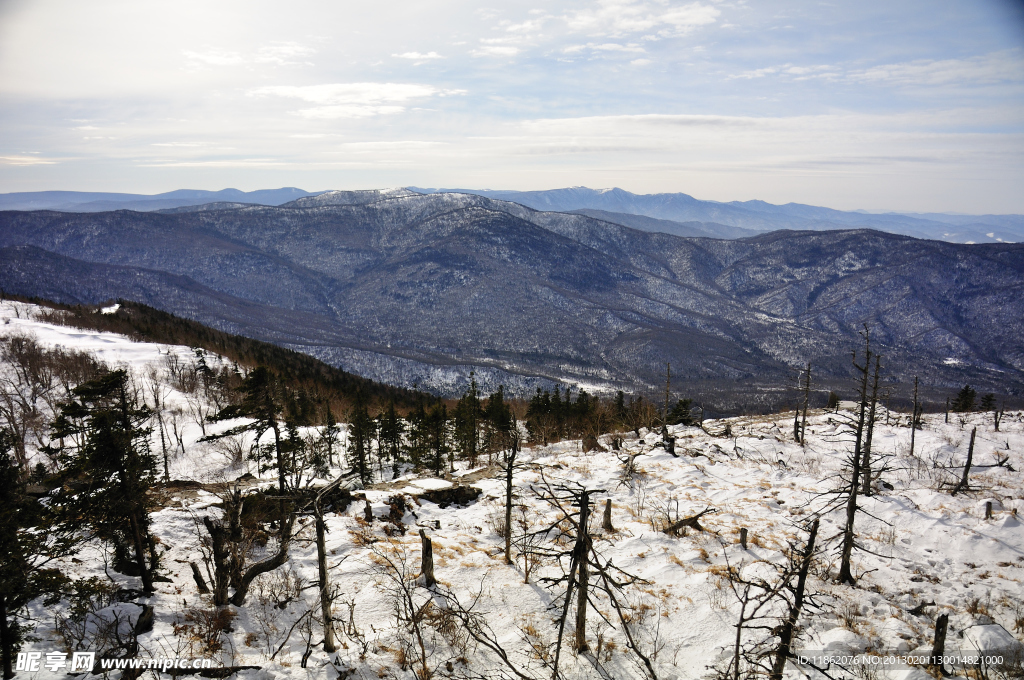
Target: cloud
{"x":997,"y":67}
{"x":1004,"y":66}
{"x":640,"y":62}
{"x":279,"y":53}
{"x":353,"y":100}
{"x":756,"y":73}
{"x":495,"y":51}
{"x":283,"y":54}
{"x":25,"y":160}
{"x":418,"y":56}
{"x":215,"y":58}
{"x":604,"y":47}
{"x":622,"y":17}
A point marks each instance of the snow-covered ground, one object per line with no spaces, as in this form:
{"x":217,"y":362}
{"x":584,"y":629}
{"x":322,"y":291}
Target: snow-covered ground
{"x":921,"y":545}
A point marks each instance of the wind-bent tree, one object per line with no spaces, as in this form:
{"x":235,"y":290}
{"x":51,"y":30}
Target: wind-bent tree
{"x":30,"y":537}
{"x":118,"y":465}
{"x":263,"y":403}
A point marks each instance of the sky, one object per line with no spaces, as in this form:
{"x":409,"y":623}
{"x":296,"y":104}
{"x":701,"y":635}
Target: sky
{"x":912,"y":105}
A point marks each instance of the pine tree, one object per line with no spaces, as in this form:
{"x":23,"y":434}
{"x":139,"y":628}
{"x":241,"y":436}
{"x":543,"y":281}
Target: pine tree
{"x":438,"y":446}
{"x":390,"y":431}
{"x":466,"y":420}
{"x":360,"y":437}
{"x":20,"y":551}
{"x":262,"y":400}
{"x":120,"y":468}
{"x":964,"y":401}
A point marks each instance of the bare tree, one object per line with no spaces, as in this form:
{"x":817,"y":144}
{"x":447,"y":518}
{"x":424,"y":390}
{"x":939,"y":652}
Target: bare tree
{"x":585,"y":573}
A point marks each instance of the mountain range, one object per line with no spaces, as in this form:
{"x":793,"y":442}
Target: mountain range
{"x":671,"y":213}
{"x":759,"y":216}
{"x":415,"y":289}
{"x":84,"y":201}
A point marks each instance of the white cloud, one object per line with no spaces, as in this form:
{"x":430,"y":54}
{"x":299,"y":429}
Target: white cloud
{"x":284,"y":54}
{"x":640,"y":62}
{"x":279,"y":53}
{"x":621,"y":17}
{"x":214,"y":58}
{"x":604,"y":47}
{"x":25,"y":160}
{"x":756,"y":73}
{"x":353,"y":100}
{"x":1004,"y":66}
{"x":418,"y":56}
{"x":495,"y":51}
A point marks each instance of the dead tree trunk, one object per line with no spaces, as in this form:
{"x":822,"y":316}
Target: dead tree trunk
{"x":939,"y":645}
{"x":997,"y":415}
{"x":509,"y":469}
{"x":845,"y":570}
{"x":583,"y":553}
{"x":690,"y":522}
{"x":743,"y":537}
{"x":606,"y":523}
{"x":913,"y":418}
{"x":221,"y":564}
{"x":198,"y":577}
{"x":427,"y":560}
{"x":263,"y":566}
{"x":325,"y":587}
{"x":963,"y":486}
{"x":668,"y":386}
{"x":807,"y":399}
{"x":866,"y":467}
{"x":782,"y":652}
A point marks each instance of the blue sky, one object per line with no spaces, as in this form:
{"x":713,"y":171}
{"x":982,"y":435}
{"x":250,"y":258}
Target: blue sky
{"x":877,"y":105}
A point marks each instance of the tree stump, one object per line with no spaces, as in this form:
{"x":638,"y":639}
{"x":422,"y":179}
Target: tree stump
{"x":606,"y":524}
{"x":200,"y":581}
{"x":368,"y":512}
{"x":939,"y":646}
{"x":743,"y":537}
{"x":427,"y":561}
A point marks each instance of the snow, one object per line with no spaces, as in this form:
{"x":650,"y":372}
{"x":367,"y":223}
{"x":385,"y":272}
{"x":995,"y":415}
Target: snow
{"x":923,"y":545}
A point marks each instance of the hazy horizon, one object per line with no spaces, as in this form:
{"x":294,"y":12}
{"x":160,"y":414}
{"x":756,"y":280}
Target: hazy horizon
{"x":908,"y":107}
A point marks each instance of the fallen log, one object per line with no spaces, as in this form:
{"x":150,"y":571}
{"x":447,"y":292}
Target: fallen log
{"x":687,"y":522}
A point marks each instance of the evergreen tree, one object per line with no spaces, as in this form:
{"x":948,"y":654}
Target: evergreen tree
{"x":681,"y":413}
{"x":390,"y":429}
{"x":120,"y":468}
{"x":467,"y":423}
{"x":964,"y":401}
{"x":988,"y":402}
{"x":360,"y":439}
{"x":418,"y":438}
{"x":499,"y":423}
{"x":438,"y":445}
{"x":29,"y":538}
{"x":262,"y":401}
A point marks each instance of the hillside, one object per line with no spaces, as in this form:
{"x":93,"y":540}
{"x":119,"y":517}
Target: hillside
{"x":921,"y":553}
{"x":762,"y":216}
{"x":412,"y":289}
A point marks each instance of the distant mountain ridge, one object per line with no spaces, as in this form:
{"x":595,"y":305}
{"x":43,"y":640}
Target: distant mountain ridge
{"x":421,"y":289}
{"x":84,"y":201}
{"x":760,"y":216}
{"x":676,"y":213}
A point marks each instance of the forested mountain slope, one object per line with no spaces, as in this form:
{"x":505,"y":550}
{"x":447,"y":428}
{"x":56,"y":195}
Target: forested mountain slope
{"x":411,"y":288}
